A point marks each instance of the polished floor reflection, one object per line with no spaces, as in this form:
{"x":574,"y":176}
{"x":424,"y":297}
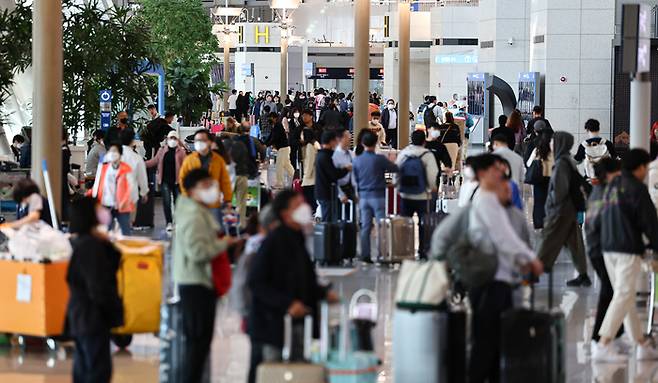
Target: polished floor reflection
{"x":231,"y":348}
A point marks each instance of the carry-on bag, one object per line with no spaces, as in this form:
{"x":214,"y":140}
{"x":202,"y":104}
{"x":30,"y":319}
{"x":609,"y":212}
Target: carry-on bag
{"x":347,"y":229}
{"x":532,"y":344}
{"x":344,"y":365}
{"x":429,"y":223}
{"x":335,"y":242}
{"x":293,"y":372}
{"x":395,"y":239}
{"x":363,"y":318}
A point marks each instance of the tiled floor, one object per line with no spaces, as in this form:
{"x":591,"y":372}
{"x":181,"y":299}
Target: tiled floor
{"x":231,"y":348}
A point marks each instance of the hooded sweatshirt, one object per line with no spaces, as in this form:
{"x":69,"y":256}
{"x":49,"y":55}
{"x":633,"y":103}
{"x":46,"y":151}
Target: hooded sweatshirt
{"x":559,"y":200}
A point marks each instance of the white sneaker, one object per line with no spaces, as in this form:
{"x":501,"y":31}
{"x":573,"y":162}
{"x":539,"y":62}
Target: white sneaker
{"x":607,"y":354}
{"x":623,"y":345}
{"x":646,"y":352}
{"x":593,"y":346}
{"x":169,"y":228}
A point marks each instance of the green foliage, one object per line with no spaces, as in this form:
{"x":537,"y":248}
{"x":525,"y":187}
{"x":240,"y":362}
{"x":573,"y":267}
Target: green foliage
{"x":15,"y":44}
{"x":103,"y":49}
{"x":182,"y":31}
{"x":189,"y":93}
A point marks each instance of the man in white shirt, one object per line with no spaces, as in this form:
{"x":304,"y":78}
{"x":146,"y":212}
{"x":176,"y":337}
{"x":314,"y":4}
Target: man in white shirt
{"x":232,"y":103}
{"x":137,"y":164}
{"x":342,"y":157}
{"x":390,"y":122}
{"x":515,"y":161}
{"x":491,"y":228}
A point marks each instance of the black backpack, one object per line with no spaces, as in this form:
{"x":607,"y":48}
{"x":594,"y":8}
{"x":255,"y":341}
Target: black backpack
{"x":428,"y":116}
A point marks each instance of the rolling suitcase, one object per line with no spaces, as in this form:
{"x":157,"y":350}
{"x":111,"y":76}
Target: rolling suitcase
{"x":533,"y":344}
{"x":293,"y":372}
{"x":429,"y":223}
{"x":347,"y":229}
{"x":335,"y":242}
{"x":395,"y":239}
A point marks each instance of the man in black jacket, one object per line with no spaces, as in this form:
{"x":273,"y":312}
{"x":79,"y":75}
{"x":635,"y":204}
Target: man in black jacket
{"x":561,"y":222}
{"x":502,"y":129}
{"x":327,"y":175}
{"x":282,"y":282}
{"x":627,"y":215}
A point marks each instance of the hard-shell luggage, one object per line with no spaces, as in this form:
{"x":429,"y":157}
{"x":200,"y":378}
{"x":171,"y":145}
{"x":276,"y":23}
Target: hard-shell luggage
{"x":335,"y":242}
{"x":429,"y":223}
{"x":145,"y":213}
{"x":293,"y":372}
{"x":171,"y":343}
{"x":533,"y":344}
{"x":395,"y":239}
{"x":348,"y":232}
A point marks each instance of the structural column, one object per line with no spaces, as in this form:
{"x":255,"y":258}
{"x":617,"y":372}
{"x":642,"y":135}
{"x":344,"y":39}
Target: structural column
{"x":227,"y":68}
{"x":47,"y":65}
{"x":283,"y":89}
{"x":640,"y":111}
{"x":361,"y":64}
{"x":404,"y":51}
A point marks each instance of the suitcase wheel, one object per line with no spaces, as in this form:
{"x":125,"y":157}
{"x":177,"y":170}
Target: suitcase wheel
{"x":122,"y":341}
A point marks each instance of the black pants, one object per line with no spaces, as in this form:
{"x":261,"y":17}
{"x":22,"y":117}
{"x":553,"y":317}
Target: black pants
{"x":411,"y":206}
{"x":605,"y":296}
{"x":309,"y":195}
{"x":92,"y":361}
{"x":488,"y":302}
{"x":198,"y":311}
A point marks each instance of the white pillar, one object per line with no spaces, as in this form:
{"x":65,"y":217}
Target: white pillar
{"x":283,"y":88}
{"x":47,"y":66}
{"x":404,"y":52}
{"x":640,"y":111}
{"x":361,"y":64}
{"x":227,"y":68}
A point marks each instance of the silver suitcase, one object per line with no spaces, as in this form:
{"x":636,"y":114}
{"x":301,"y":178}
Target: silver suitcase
{"x":293,"y":372}
{"x":419,"y":346}
{"x":396,"y":239}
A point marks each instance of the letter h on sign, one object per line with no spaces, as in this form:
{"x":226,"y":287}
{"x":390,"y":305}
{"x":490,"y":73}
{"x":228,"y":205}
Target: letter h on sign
{"x":258,"y":34}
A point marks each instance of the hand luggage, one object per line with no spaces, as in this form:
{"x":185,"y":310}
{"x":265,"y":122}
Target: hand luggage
{"x":343,"y":365}
{"x":429,"y":223}
{"x":293,"y":372}
{"x":395,"y":239}
{"x":392,"y":204}
{"x":145,"y":213}
{"x":171,"y":343}
{"x":335,"y":242}
{"x":348,"y":232}
{"x":533,"y":344}
{"x":363,"y":318}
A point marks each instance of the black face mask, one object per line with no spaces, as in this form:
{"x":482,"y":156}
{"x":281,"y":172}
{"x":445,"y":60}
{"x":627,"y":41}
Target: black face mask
{"x":123,"y":120}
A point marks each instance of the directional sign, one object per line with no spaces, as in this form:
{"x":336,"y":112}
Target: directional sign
{"x":106,"y":108}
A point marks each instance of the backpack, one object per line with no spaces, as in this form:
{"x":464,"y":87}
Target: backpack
{"x":428,"y":116}
{"x":594,"y":152}
{"x":413,"y":178}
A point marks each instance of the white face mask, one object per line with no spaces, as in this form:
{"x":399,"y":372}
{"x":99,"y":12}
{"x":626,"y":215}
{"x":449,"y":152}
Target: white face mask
{"x":200,"y":146}
{"x":375,"y":120}
{"x":303,"y":215}
{"x":296,"y":115}
{"x":172,"y":143}
{"x":209,"y":196}
{"x":435,"y":134}
{"x":390,"y":106}
{"x":112,"y":156}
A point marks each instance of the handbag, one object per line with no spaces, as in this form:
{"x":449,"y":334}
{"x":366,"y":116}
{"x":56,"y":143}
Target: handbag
{"x":535,"y":173}
{"x":221,"y":274}
{"x":422,"y":285}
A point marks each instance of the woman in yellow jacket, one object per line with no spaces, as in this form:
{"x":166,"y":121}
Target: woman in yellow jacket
{"x":204,"y":158}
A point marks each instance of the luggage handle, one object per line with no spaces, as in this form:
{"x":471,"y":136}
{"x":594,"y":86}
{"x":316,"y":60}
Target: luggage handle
{"x":342,"y":210}
{"x":324,"y":332}
{"x":363,"y":293}
{"x":286,"y":352}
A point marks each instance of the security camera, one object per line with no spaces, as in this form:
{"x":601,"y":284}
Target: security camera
{"x":510,"y":41}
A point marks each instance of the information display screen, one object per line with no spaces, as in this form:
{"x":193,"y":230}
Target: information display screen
{"x":476,"y":87}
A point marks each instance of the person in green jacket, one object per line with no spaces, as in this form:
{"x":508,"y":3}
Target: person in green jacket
{"x":196,"y":243}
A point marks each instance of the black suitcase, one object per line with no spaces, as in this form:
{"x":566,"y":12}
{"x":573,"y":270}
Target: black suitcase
{"x":348,"y":232}
{"x":326,"y":235}
{"x":429,"y":223}
{"x":533,"y":344}
{"x":456,"y":359}
{"x":145,"y":212}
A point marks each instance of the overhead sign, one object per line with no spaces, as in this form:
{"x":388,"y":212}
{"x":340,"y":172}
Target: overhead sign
{"x":258,"y":34}
{"x":344,"y":73}
{"x":636,"y":35}
{"x":105,"y":97}
{"x":455,"y":59}
{"x":309,"y":69}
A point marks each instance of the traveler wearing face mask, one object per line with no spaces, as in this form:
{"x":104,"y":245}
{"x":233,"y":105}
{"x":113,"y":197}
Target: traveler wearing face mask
{"x":16,"y":144}
{"x":113,"y":188}
{"x":113,"y":133}
{"x":168,"y":161}
{"x":195,"y":245}
{"x":377,"y":128}
{"x":96,"y":153}
{"x":283,"y":281}
{"x":95,"y":306}
{"x":213,"y":163}
{"x":437,"y":147}
{"x":295,"y":136}
{"x":390,"y":122}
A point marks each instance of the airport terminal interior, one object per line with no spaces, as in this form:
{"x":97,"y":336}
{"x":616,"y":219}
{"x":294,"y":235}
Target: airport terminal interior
{"x":229,"y":191}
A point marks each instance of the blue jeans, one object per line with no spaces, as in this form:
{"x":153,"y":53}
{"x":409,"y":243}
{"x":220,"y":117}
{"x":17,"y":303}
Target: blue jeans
{"x":369,"y":208}
{"x":124,"y":222}
{"x":169,"y":197}
{"x":328,"y":210}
